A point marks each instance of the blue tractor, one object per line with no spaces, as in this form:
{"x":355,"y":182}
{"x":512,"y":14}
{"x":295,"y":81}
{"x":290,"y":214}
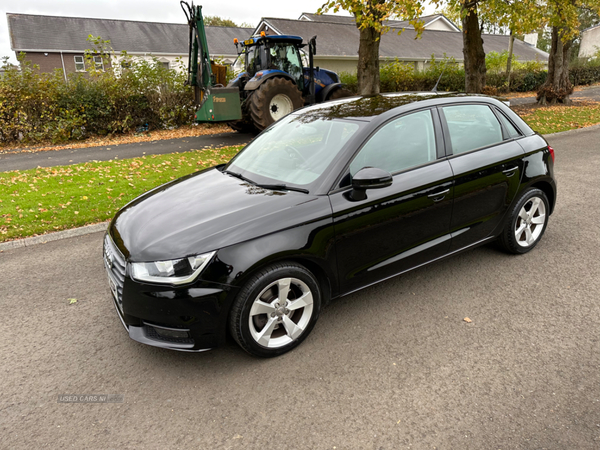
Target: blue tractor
{"x":273,"y":81}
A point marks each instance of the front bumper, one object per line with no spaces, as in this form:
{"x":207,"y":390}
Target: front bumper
{"x":190,"y":318}
{"x":150,"y":334}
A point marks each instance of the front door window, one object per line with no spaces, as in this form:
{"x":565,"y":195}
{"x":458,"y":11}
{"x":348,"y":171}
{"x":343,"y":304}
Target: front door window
{"x":406,"y":142}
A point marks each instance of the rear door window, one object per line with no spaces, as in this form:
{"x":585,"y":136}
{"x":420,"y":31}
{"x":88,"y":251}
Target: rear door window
{"x":471,"y":127}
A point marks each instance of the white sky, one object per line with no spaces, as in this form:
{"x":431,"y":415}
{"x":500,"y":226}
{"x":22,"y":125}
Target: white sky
{"x":154,"y":11}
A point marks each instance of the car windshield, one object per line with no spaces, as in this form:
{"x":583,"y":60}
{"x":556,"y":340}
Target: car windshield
{"x":294,"y":151}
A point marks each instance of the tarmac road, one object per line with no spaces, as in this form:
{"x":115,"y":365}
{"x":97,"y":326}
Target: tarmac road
{"x":393,"y":366}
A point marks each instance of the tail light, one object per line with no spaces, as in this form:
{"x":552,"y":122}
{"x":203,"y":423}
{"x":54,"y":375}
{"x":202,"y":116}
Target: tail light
{"x":551,"y":150}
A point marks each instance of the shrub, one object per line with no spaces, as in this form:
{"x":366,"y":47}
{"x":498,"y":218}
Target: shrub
{"x":527,"y":76}
{"x":397,"y":76}
{"x":585,"y":72}
{"x":36,"y":107}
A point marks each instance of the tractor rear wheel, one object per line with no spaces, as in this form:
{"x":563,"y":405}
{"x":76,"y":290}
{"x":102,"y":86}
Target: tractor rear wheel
{"x":274,"y":99}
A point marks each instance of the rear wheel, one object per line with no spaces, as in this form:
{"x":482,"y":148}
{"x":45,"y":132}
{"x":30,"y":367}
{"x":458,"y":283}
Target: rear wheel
{"x":275,"y":310}
{"x":274,"y":99}
{"x":526,"y":222}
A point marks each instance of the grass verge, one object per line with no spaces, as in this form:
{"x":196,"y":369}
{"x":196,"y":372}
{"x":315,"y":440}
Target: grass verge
{"x":553,"y":119}
{"x":50,"y":199}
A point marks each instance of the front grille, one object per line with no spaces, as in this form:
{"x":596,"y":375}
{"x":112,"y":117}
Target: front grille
{"x":114,"y":262}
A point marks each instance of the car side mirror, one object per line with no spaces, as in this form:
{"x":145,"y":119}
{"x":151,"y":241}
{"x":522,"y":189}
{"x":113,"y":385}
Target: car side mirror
{"x":369,"y":178}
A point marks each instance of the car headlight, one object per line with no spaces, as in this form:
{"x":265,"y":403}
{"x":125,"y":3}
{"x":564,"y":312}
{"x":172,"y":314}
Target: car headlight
{"x":177,"y":271}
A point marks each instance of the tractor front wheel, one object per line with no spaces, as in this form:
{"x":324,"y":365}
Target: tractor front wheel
{"x":242,"y":126}
{"x":274,"y":99}
{"x":340,"y":93}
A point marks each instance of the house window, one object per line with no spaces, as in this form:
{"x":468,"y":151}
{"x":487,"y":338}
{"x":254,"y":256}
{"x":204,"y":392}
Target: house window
{"x":165,"y":64}
{"x":79,"y":64}
{"x":98,"y":63}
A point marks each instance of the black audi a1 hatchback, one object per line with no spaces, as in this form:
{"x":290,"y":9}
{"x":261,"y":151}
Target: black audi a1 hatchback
{"x":330,"y":199}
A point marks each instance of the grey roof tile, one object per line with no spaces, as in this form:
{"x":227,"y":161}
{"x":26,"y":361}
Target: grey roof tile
{"x":35,"y":32}
{"x":338,"y":39}
{"x":331,"y":18}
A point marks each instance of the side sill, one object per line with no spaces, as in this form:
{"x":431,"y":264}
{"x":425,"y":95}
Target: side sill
{"x":460,"y":250}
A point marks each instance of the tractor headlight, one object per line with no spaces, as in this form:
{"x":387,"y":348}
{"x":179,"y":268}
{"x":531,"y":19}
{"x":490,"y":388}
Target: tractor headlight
{"x":177,"y":271}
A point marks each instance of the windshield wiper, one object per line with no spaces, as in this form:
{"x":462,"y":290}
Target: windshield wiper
{"x":239,"y":175}
{"x":282,"y":187}
{"x":275,"y":187}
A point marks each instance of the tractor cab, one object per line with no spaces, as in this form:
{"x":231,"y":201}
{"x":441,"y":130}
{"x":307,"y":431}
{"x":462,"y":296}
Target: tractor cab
{"x":273,"y":53}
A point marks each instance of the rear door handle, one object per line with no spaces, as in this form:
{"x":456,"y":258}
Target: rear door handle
{"x":510,"y":172}
{"x":438,"y":195}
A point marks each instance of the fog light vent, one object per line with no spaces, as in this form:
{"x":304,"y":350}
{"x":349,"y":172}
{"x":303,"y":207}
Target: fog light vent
{"x":174,"y":335}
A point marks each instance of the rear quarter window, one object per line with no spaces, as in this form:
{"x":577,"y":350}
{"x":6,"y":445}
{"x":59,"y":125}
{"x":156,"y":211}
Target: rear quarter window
{"x":512,"y":131}
{"x":471,"y":127}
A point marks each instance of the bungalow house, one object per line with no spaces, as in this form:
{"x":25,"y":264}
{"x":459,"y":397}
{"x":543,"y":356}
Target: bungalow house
{"x":55,"y":42}
{"x":590,"y":42}
{"x":432,"y":22}
{"x":338,"y":41}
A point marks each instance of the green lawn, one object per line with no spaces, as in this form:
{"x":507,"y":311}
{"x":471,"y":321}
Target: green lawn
{"x":49,"y":199}
{"x":553,"y":119}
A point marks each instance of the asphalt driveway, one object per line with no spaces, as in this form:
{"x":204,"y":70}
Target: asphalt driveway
{"x":393,"y":366}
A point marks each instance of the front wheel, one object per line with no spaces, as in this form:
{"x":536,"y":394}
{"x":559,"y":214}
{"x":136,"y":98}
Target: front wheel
{"x":275,"y":310}
{"x":526,"y":222}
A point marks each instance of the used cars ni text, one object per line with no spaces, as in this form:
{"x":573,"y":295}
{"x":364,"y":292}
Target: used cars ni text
{"x":330,"y":199}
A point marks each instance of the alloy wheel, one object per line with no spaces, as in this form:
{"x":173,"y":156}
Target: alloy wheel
{"x":280,"y":313}
{"x":530,"y":222}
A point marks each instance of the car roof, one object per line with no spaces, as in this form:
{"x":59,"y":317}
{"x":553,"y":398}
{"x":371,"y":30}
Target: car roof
{"x":371,"y":107}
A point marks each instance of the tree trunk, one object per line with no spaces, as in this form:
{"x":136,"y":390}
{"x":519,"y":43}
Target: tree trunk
{"x":558,"y":87}
{"x":473,"y":50}
{"x":511,"y":42}
{"x":368,"y":61}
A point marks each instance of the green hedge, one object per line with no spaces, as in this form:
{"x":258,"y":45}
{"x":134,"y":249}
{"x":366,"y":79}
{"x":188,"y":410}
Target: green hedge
{"x":40,"y":107}
{"x":398,"y":76}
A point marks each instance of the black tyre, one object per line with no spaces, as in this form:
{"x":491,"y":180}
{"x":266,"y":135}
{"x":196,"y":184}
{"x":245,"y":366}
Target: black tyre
{"x":274,"y":99}
{"x":264,"y":325}
{"x":339,"y":93}
{"x":526,"y":222}
{"x":242,"y":126}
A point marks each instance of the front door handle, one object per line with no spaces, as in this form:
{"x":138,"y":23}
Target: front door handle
{"x":438,"y":195}
{"x":510,"y":172}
